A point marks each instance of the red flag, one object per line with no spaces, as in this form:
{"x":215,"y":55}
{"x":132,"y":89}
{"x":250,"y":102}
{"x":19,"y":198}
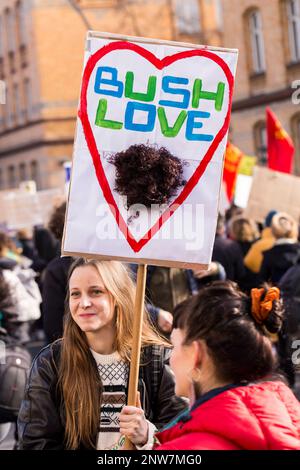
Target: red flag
{"x":233,"y":157}
{"x":280,"y":146}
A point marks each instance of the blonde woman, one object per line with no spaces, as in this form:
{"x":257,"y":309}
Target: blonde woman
{"x":76,"y":393}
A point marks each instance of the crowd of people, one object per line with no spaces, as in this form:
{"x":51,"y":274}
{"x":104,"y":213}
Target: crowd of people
{"x":216,"y":344}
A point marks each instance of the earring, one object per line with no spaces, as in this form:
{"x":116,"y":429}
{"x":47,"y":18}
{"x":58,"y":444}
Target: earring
{"x":195,"y":375}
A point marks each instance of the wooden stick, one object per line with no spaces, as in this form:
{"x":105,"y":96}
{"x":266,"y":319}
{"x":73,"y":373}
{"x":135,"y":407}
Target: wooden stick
{"x":136,"y":341}
{"x":123,"y":37}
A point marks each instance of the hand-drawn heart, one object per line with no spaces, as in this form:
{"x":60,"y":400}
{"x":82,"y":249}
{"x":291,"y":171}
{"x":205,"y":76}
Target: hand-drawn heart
{"x":137,"y":245}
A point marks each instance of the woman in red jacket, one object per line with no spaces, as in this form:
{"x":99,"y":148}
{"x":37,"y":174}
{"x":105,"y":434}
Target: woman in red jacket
{"x":224,"y":363}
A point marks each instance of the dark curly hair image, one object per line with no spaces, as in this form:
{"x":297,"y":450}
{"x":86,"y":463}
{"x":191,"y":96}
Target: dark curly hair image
{"x":147,"y":174}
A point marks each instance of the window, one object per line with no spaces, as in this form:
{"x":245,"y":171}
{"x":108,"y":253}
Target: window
{"x":9,"y":108}
{"x":2,"y":92}
{"x":261,"y":145}
{"x":293,"y":14}
{"x":22,"y":171}
{"x":1,"y":37}
{"x":17,"y":108}
{"x":2,"y":103}
{"x":2,"y":71}
{"x":28,"y":98}
{"x":219,"y":14}
{"x":12,"y":177}
{"x":34,"y":172}
{"x":256,"y":42}
{"x":10,"y":30}
{"x":187,"y":16}
{"x":21,"y":22}
{"x":23,"y":56}
{"x":2,"y":118}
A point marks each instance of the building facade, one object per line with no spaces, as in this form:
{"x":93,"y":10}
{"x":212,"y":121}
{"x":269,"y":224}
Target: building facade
{"x":41,"y":57}
{"x":267,"y":34}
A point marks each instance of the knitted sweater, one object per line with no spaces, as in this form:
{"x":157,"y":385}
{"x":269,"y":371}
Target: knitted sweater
{"x":114,"y":373}
{"x":114,"y":376}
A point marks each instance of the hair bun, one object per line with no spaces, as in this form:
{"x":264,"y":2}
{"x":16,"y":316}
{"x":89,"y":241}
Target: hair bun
{"x":266,"y":308}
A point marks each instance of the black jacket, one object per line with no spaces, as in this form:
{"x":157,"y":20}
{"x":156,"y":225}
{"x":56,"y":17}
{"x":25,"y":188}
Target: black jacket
{"x":41,"y":419}
{"x":289,"y":285}
{"x":278,"y":260}
{"x":55,"y":280}
{"x":230,"y":255}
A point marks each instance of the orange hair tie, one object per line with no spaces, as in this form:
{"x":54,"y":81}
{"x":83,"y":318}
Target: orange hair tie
{"x":261,"y":309}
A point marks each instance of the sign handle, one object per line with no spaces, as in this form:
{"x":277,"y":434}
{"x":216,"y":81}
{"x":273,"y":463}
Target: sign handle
{"x":136,"y":341}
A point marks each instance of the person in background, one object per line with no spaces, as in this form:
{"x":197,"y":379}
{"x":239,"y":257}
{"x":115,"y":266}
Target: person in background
{"x":286,"y":250}
{"x":25,"y":296}
{"x":224,"y":363}
{"x":167,"y":287}
{"x":228,"y":253}
{"x":20,"y":306}
{"x":289,"y":285}
{"x":29,"y":251}
{"x":45,"y":243}
{"x":244,"y":231}
{"x":254,"y":257}
{"x":233,"y":211}
{"x":55,"y":277}
{"x":77,"y":389}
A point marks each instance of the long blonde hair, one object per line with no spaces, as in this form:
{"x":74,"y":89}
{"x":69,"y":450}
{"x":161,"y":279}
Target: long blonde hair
{"x":78,"y":376}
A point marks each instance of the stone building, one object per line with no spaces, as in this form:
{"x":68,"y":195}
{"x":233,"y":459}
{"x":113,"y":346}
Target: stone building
{"x":267,"y":34}
{"x":41,"y":57}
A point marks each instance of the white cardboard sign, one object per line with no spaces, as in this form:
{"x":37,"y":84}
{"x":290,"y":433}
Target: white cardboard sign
{"x":137,"y":91}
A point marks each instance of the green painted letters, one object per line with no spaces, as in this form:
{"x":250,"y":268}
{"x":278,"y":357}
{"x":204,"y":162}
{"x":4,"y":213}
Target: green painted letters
{"x":217,"y":97}
{"x":147,"y":97}
{"x":100,"y":117}
{"x":165,"y":128}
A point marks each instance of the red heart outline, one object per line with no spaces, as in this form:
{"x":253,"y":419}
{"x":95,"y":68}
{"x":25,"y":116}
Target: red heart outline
{"x":91,"y":143}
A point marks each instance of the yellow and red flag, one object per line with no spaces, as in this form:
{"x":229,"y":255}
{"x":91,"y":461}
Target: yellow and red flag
{"x":233,"y":158}
{"x":280,"y":146}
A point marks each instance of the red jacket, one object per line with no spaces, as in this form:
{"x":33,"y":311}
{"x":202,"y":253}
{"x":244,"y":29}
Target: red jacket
{"x":262,"y":416}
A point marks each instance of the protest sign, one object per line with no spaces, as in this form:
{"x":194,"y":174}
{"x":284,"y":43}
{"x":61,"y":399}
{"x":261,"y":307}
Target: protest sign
{"x":20,"y":208}
{"x":138,"y":91}
{"x":272,"y":190}
{"x":244,"y":180}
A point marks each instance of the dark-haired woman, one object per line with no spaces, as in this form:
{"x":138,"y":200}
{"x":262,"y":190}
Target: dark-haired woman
{"x":76,"y":394}
{"x":223,"y":362}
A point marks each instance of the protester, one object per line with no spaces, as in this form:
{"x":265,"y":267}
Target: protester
{"x":290,"y":287}
{"x":22,"y":305}
{"x":224,"y":362}
{"x":228,"y":253}
{"x":167,"y":287}
{"x":87,"y":371}
{"x":286,"y":250}
{"x":254,"y":257}
{"x":46,"y":244}
{"x":55,"y":280}
{"x":27,"y":246}
{"x":244,"y":231}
